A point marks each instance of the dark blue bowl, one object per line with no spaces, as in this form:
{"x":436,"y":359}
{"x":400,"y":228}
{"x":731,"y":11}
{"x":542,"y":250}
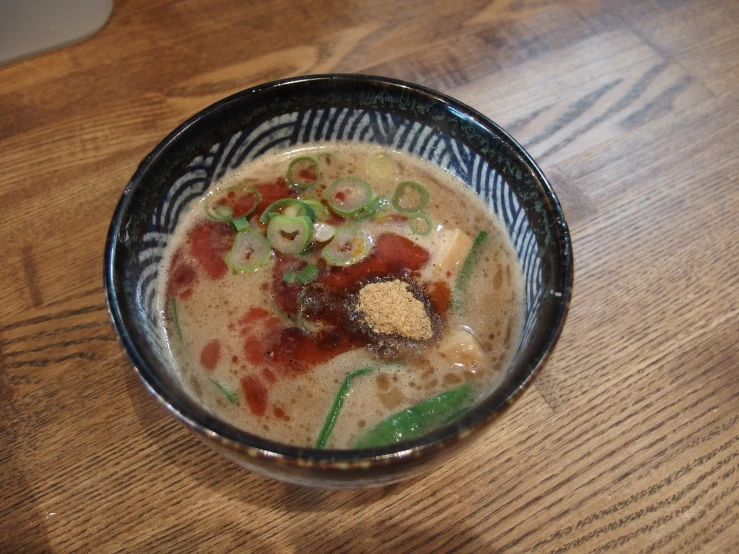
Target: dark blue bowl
{"x":286,"y":113}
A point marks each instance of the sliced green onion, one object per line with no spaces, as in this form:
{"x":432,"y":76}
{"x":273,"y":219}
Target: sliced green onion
{"x":418,"y":419}
{"x":338,"y":403}
{"x":292,"y":210}
{"x":303,"y":172}
{"x":241,"y":224}
{"x":420,"y":223}
{"x":290,"y":235}
{"x":323,"y":232}
{"x":231,"y":396}
{"x":349,"y":246}
{"x":249,"y":252}
{"x":371,"y":209}
{"x":470,"y":262}
{"x":348,"y":195}
{"x":289,"y":277}
{"x":175,"y":318}
{"x":307,"y":274}
{"x":319,"y":209}
{"x":410,"y":196}
{"x":231,"y":203}
{"x":220,"y":213}
{"x":278,"y":207}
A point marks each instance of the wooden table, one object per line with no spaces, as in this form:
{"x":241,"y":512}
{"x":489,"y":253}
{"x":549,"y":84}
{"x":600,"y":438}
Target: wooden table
{"x":629,"y":440}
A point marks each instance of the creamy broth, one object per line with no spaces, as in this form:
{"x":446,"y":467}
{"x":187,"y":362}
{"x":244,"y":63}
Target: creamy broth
{"x":228,"y":330}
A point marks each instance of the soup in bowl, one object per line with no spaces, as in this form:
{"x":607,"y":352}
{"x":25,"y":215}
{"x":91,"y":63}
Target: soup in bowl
{"x":338,"y":280}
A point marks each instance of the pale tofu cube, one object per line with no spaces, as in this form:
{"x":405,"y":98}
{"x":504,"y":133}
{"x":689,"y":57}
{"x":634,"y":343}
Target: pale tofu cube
{"x":455,"y":249}
{"x":462,"y":349}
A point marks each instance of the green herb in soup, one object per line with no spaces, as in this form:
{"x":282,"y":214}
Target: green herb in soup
{"x":419,"y":419}
{"x":341,"y":296}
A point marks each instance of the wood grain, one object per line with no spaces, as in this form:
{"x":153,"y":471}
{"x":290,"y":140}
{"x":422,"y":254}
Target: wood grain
{"x":629,"y":441}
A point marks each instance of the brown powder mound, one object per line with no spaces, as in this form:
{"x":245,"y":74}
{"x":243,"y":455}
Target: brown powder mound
{"x":390,"y":308}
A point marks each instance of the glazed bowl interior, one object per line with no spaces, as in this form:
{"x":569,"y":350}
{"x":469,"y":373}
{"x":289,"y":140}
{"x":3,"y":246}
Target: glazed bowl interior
{"x":287,"y":114}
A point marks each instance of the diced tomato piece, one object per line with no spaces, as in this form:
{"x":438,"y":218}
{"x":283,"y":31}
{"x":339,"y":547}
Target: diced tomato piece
{"x":440,"y":295}
{"x":210,"y":355}
{"x":398,"y":251}
{"x":254,"y":314}
{"x":256,"y":395}
{"x":209,"y":242}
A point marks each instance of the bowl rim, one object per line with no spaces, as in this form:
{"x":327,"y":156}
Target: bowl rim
{"x":258,"y":447}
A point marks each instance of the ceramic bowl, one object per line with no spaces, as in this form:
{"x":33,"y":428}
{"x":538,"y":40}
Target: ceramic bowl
{"x":287,"y":113}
